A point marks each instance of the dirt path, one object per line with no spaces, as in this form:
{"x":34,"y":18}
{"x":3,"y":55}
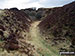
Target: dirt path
{"x":38,"y":41}
{"x":41,"y":49}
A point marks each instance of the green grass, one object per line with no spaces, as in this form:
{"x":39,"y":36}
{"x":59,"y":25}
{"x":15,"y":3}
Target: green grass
{"x":39,"y":42}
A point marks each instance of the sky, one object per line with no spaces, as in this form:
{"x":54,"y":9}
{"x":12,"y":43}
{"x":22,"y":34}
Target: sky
{"x":22,"y":4}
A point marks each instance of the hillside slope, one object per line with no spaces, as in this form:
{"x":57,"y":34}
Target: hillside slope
{"x":53,"y":32}
{"x":60,"y":25}
{"x":14,"y":29}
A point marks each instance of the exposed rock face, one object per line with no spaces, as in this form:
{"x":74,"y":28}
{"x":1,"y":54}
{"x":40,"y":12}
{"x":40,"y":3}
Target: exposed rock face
{"x":61,"y":23}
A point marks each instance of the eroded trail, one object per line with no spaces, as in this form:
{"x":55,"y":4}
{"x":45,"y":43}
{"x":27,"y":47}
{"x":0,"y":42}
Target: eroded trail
{"x":36,"y":39}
